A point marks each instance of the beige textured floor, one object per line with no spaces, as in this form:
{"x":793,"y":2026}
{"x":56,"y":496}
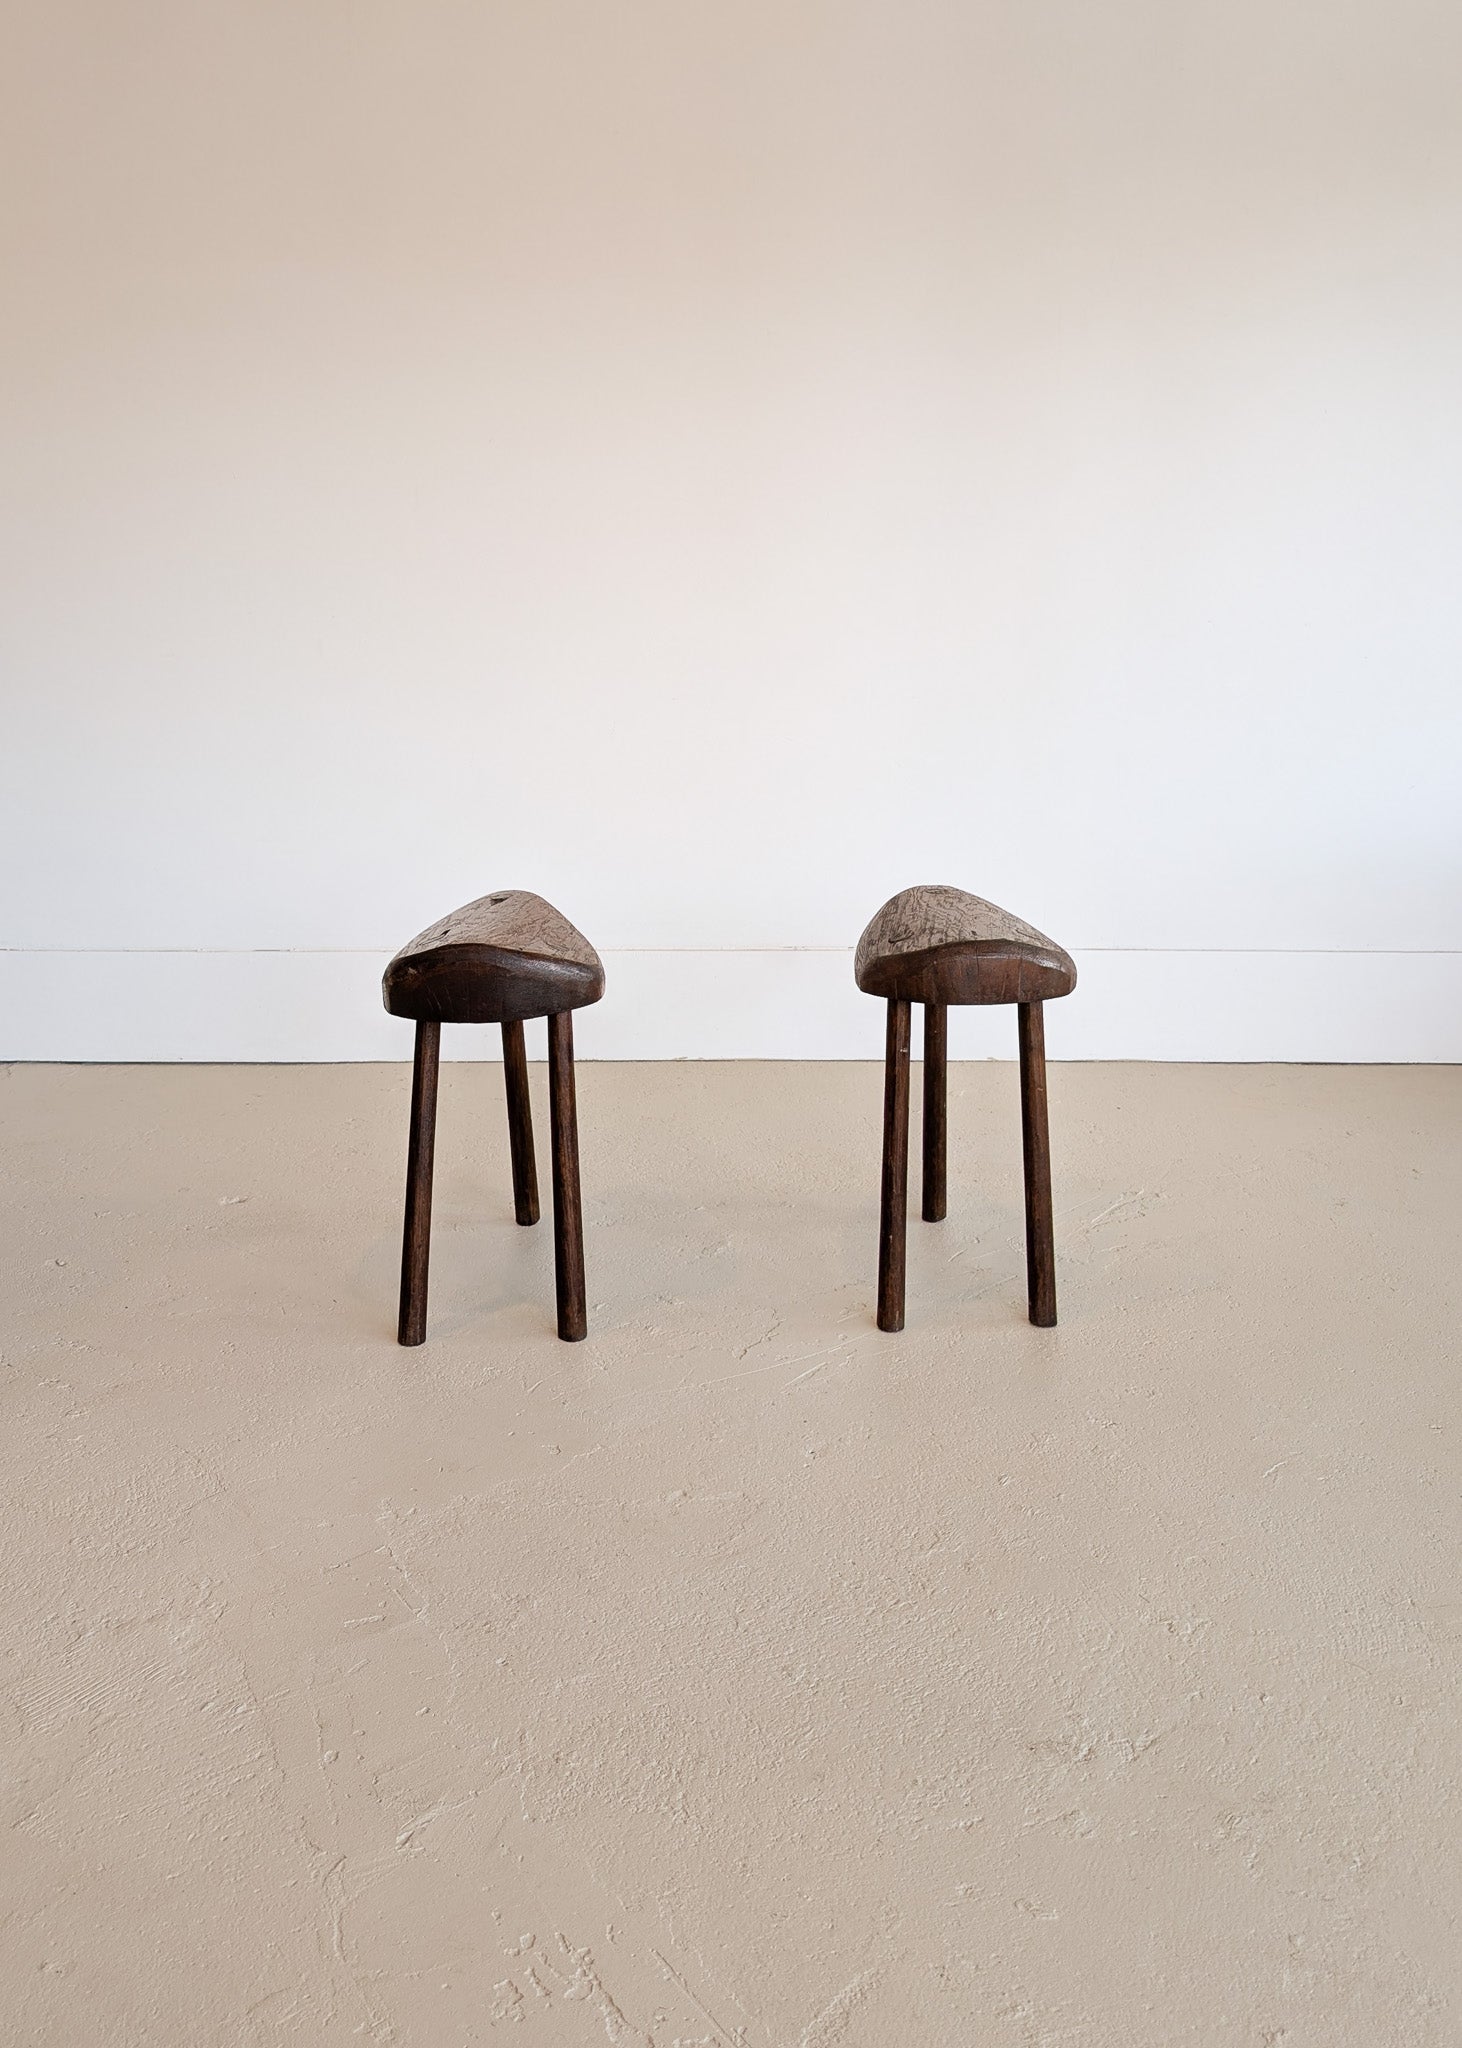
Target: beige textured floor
{"x":741,"y":1675}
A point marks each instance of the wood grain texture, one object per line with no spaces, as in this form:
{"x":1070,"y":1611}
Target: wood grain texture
{"x":568,"y":1215}
{"x":495,"y":961}
{"x":936,"y":1116}
{"x":935,"y":944}
{"x":1040,"y":1237}
{"x":416,"y":1232}
{"x":520,"y":1123}
{"x":894,"y":1202}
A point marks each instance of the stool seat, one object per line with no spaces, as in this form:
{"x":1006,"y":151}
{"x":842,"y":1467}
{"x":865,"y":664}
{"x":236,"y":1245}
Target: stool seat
{"x":496,"y":961}
{"x":504,"y":958}
{"x":934,"y":944}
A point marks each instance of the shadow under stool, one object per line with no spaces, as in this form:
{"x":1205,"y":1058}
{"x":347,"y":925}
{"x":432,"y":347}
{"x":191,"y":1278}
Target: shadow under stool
{"x":499,"y":960}
{"x":936,"y":946}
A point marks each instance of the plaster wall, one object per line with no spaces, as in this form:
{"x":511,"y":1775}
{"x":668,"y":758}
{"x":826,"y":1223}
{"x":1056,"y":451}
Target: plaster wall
{"x":715,"y":465}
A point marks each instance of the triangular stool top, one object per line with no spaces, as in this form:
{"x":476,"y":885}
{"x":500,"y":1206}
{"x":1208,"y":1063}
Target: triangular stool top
{"x":506,"y":956}
{"x":936,"y":944}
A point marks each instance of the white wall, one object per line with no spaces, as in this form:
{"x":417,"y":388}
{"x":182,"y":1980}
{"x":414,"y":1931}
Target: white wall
{"x":716,"y":462}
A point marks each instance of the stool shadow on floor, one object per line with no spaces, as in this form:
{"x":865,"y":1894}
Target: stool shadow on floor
{"x":490,"y":1275}
{"x":712,"y":1223}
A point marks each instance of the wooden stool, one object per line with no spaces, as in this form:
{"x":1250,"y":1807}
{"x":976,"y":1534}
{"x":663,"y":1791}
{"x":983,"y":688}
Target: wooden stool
{"x":938,"y":946}
{"x":497,"y":961}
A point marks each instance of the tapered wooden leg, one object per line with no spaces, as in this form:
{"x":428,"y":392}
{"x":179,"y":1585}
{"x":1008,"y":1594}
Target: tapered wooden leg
{"x":935,"y":1118}
{"x":1040,"y":1242}
{"x":894,"y":1208}
{"x":416,"y":1238}
{"x":568,"y":1217}
{"x":520,"y":1125}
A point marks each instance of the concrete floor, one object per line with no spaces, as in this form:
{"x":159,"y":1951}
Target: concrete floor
{"x":741,"y":1675}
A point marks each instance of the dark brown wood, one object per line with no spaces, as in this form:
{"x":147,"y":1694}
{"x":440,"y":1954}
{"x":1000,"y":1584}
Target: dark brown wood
{"x":568,"y":1220}
{"x":1040,"y":1240}
{"x":893,"y":1211}
{"x":416,"y":1237}
{"x":935,"y":944}
{"x":503,"y":957}
{"x":496,"y":961}
{"x":520,"y":1123}
{"x":936,"y":1018}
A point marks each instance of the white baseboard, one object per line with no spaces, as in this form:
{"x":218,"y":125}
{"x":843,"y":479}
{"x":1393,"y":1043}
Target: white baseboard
{"x":193,"y":1006}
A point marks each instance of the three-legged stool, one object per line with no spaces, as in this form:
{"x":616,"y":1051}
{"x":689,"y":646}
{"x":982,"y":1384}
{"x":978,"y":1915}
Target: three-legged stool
{"x":936,"y":946}
{"x":497,"y":961}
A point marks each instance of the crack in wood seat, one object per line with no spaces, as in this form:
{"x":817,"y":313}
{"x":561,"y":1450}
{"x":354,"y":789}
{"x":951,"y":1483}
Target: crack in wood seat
{"x":502,"y":958}
{"x":935,"y":944}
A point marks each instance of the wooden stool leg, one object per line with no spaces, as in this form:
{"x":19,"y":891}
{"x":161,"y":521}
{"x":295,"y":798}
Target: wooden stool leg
{"x":894,"y":1208}
{"x":520,"y":1124}
{"x":416,"y":1238}
{"x":1040,"y":1243}
{"x":568,"y":1217}
{"x":935,"y":1112}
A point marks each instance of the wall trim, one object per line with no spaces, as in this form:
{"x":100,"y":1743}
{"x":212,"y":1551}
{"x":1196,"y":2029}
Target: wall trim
{"x":743,"y":1003}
